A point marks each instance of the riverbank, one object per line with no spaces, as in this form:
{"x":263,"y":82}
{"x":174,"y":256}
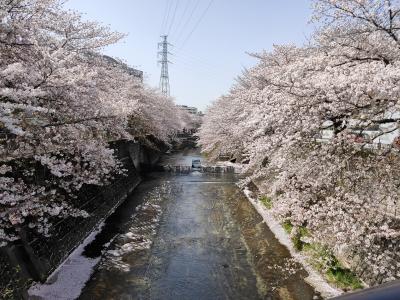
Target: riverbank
{"x":68,"y":280}
{"x":34,"y":258}
{"x":188,"y":236}
{"x":208,"y":243}
{"x":315,"y":278}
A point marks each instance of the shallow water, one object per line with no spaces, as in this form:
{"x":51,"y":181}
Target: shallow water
{"x":192,"y":236}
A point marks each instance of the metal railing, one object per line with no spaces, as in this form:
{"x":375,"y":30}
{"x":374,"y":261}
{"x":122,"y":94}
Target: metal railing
{"x":387,"y":291}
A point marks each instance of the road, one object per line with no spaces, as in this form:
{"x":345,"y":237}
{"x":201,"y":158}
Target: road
{"x":192,"y":236}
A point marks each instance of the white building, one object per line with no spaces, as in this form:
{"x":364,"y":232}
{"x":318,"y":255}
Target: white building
{"x":383,"y":134}
{"x":189,"y":109}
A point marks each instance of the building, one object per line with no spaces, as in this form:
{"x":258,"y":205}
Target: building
{"x":190,"y":110}
{"x":374,"y":136}
{"x":131,"y":71}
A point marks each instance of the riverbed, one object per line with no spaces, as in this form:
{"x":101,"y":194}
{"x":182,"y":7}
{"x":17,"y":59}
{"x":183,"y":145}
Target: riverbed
{"x":191,"y":236}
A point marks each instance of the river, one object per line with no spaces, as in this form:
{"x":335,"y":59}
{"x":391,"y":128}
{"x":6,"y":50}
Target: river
{"x":191,"y":236}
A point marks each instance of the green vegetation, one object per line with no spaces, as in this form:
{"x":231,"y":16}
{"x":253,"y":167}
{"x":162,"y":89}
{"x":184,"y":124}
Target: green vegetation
{"x":323,"y":259}
{"x":7,"y":293}
{"x":267,"y":202}
{"x":287,"y":226}
{"x":320,"y":256}
{"x":325,"y":262}
{"x":344,"y":278}
{"x":206,"y":154}
{"x":297,"y":241}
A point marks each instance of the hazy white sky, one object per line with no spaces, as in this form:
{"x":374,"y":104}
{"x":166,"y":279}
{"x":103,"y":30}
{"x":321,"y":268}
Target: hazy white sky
{"x":209,"y":45}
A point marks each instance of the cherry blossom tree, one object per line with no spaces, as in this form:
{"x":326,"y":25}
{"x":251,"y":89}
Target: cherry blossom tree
{"x":61,"y":103}
{"x":345,"y":81}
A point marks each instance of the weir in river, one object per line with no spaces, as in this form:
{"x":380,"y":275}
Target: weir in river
{"x":203,"y":169}
{"x":193,"y":236}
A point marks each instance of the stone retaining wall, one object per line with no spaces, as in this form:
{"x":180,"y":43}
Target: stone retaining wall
{"x":34,"y":257}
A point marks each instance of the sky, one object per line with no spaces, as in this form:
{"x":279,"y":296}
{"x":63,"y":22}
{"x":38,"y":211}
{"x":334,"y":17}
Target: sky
{"x":210,"y":39}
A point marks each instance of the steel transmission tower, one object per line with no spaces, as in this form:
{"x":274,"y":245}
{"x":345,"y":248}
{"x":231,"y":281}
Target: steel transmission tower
{"x":163,"y":54}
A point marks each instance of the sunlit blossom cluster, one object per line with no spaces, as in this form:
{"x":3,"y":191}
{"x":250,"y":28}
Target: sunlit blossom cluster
{"x":61,"y":103}
{"x":345,"y":188}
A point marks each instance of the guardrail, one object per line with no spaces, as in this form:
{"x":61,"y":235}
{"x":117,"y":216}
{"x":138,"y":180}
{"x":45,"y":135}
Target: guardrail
{"x":387,"y":291}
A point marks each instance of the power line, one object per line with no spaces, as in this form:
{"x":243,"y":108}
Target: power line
{"x":165,"y":16}
{"x":174,"y":15}
{"x":205,"y":74}
{"x":168,"y":14}
{"x":188,"y":20}
{"x":179,"y":25}
{"x":197,"y":60}
{"x":194,"y":69}
{"x":196,"y":25}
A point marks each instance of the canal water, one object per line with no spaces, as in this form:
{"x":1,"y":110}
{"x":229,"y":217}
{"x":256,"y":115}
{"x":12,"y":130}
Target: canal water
{"x":191,"y":236}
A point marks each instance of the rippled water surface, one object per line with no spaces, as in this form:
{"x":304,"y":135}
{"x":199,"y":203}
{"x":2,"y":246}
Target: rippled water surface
{"x":192,"y":236}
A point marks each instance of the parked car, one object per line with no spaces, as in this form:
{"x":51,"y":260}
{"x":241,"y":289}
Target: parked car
{"x":196,"y":163}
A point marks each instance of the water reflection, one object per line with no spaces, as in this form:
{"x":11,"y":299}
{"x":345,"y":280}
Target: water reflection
{"x":196,"y":236}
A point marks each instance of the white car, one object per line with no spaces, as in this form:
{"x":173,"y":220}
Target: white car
{"x":196,"y":163}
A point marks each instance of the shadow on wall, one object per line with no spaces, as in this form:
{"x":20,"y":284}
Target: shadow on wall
{"x":35,"y":257}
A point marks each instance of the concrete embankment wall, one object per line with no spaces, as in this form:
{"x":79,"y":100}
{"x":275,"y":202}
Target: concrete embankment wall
{"x":357,"y":260}
{"x":34,"y":257}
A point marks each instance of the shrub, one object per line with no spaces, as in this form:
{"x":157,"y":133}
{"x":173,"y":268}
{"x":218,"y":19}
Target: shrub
{"x":267,"y":202}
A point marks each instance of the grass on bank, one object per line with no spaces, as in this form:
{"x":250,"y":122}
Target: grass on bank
{"x":299,"y":238}
{"x":320,"y":256}
{"x":287,"y":226}
{"x":267,"y":202}
{"x":322,"y":259}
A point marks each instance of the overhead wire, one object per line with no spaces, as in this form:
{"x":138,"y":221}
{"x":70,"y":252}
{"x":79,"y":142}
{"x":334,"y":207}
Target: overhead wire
{"x":180,"y":33}
{"x":173,"y":17}
{"x":195,"y":69}
{"x":196,"y":66}
{"x":167,"y":5}
{"x":197,"y":60}
{"x":180,"y":22}
{"x":196,"y":25}
{"x":179,"y":60}
{"x":168,"y":14}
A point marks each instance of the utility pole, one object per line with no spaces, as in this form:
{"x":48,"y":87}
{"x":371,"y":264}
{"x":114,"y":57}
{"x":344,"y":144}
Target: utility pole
{"x":163,"y":53}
